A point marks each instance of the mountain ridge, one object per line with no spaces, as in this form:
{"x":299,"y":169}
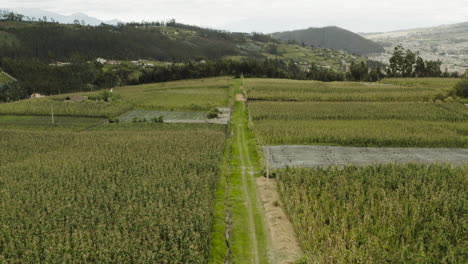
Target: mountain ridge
{"x":332,"y":37}
{"x":64,"y":19}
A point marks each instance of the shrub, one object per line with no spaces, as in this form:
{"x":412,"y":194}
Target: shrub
{"x":213,"y":113}
{"x":159,"y":119}
{"x":461,"y":88}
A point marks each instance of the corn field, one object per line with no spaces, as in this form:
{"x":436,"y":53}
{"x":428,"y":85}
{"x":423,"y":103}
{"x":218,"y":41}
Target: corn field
{"x":44,"y":106}
{"x":292,"y":90}
{"x":453,"y":112}
{"x":107,"y":196}
{"x":379,"y":214}
{"x":393,"y":133}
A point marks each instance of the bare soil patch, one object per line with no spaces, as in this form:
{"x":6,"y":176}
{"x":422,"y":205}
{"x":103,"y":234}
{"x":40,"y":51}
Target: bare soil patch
{"x":283,"y":240}
{"x":240,"y":98}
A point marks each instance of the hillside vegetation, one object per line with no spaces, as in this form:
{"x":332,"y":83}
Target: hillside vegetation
{"x":333,"y":38}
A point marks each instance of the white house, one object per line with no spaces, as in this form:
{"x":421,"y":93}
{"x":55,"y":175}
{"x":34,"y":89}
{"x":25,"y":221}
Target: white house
{"x":37,"y":95}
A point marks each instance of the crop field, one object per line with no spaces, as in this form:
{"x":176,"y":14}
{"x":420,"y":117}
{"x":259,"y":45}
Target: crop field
{"x":139,"y":196}
{"x":194,"y":95}
{"x":395,"y":133}
{"x":372,"y":212}
{"x":203,"y":94}
{"x":44,"y":106}
{"x":149,"y":115}
{"x":292,"y":90}
{"x":379,"y":214}
{"x":45,"y":123}
{"x":424,"y":111}
{"x":388,"y":121}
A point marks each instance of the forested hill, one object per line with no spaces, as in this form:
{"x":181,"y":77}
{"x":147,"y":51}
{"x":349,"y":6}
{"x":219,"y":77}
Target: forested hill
{"x":332,"y":38}
{"x":158,"y":41}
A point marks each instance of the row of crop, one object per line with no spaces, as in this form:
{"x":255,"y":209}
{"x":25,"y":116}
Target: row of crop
{"x":108,"y":197}
{"x":358,"y":110}
{"x":64,"y":108}
{"x":403,"y":133}
{"x":290,"y":90}
{"x":379,"y":214}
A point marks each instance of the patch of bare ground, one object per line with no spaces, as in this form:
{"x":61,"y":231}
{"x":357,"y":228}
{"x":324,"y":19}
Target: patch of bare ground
{"x":283,"y":242}
{"x":240,"y":98}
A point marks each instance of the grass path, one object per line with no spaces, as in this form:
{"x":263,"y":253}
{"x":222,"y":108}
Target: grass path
{"x":241,"y":231}
{"x":248,"y":241}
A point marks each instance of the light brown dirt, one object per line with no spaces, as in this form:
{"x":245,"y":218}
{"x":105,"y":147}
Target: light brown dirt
{"x":240,"y":98}
{"x":283,"y":240}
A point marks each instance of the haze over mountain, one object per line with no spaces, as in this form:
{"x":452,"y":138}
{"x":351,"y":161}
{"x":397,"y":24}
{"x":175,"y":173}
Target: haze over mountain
{"x":65,"y":19}
{"x":333,"y":38}
{"x":447,"y":43}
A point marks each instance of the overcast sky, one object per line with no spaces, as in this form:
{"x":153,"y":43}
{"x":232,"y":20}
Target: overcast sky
{"x":267,"y":15}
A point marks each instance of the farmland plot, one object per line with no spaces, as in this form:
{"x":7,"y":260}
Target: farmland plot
{"x":142,"y":196}
{"x":379,"y":214}
{"x":292,"y":90}
{"x":45,"y":122}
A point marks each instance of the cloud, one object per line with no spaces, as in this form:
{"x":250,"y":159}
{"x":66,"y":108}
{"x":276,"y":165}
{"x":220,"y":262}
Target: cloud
{"x":267,"y":15}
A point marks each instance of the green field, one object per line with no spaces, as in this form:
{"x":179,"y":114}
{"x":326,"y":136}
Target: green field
{"x":425,"y":89}
{"x":198,"y":95}
{"x":424,"y":111}
{"x":394,"y":133}
{"x":108,"y":197}
{"x":45,"y":123}
{"x":388,"y":119}
{"x":374,"y":214}
{"x":83,"y":190}
{"x":379,"y":214}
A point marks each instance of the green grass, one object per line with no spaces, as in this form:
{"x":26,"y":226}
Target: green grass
{"x":201,"y":94}
{"x":293,"y":90}
{"x":379,"y":214}
{"x":108,"y":196}
{"x":45,"y":123}
{"x":444,"y":83}
{"x":243,"y":147}
{"x":4,"y":78}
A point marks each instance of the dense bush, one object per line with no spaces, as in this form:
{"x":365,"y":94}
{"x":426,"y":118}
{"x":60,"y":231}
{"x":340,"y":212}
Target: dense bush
{"x":461,"y":89}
